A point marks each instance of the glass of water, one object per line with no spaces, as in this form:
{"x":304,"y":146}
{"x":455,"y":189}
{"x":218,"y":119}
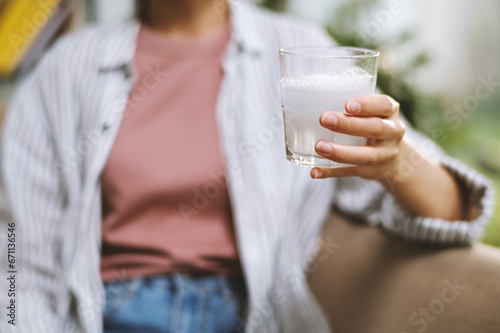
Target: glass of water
{"x":319,"y":79}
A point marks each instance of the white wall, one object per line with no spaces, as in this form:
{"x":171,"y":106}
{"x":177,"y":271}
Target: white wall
{"x":112,"y":11}
{"x":463,"y":39}
{"x":314,"y":10}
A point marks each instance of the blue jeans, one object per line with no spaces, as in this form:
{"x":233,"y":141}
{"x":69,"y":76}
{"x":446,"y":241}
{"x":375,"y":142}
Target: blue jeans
{"x":174,"y":304}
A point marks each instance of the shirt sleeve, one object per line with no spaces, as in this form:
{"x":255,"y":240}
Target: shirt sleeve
{"x":370,"y":202}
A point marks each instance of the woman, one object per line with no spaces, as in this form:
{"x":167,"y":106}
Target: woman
{"x":148,"y":158}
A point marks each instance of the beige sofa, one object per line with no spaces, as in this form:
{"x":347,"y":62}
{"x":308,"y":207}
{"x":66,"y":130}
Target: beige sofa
{"x":369,"y":282}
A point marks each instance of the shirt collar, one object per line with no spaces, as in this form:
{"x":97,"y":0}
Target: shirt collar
{"x":244,"y":33}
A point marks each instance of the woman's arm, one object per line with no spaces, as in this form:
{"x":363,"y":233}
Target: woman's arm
{"x":421,"y":186}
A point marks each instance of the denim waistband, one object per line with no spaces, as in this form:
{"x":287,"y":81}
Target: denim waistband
{"x":222,"y":284}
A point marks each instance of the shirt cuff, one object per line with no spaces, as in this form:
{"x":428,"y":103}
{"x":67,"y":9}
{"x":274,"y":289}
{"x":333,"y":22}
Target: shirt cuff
{"x":478,"y":191}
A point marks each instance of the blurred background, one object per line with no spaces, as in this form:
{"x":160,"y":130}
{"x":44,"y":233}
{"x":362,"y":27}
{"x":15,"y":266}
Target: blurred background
{"x":439,"y":59}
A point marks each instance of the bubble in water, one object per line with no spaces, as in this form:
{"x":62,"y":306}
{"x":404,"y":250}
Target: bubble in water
{"x":346,"y":79}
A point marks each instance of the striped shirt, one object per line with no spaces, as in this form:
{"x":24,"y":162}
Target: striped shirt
{"x":60,"y":129}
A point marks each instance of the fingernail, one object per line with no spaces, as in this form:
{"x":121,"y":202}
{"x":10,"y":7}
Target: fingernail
{"x":330,"y":120}
{"x":324,"y":148}
{"x":354,"y":107}
{"x":318,"y":174}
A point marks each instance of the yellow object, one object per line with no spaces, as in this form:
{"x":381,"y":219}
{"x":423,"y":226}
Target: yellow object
{"x":21,"y":21}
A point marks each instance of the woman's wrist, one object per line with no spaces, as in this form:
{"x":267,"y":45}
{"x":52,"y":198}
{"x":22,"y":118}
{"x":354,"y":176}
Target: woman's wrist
{"x":422,"y":186}
{"x":402,"y":167}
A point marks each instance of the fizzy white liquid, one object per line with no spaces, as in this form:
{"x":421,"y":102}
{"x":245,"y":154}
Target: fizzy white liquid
{"x":305,"y":98}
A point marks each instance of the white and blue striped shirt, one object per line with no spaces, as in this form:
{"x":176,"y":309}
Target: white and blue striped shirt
{"x":60,"y":129}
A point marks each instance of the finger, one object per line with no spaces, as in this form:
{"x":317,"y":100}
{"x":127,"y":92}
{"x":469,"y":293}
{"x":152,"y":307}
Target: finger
{"x":368,"y":127}
{"x":321,"y":173}
{"x":357,"y":155}
{"x":374,"y":105}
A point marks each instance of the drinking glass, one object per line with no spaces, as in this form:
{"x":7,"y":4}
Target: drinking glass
{"x":319,"y":79}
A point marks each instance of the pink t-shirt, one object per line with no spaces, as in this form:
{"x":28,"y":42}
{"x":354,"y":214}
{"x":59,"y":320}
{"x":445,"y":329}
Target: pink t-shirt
{"x":166,"y":207}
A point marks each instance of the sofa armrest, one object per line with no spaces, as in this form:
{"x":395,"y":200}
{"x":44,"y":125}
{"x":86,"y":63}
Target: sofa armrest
{"x":374,"y":283}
